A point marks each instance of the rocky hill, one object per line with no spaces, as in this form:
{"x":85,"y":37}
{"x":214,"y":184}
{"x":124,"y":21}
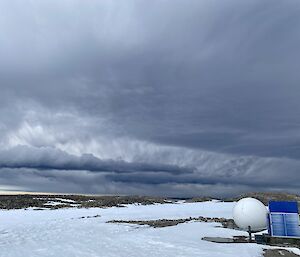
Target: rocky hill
{"x":266,"y":197}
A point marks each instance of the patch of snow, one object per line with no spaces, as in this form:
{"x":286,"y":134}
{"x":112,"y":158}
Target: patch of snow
{"x":61,"y":232}
{"x":64,"y":200}
{"x":54,"y":203}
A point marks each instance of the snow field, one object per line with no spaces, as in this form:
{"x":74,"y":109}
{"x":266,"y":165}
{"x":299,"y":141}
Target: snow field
{"x":63,"y":232}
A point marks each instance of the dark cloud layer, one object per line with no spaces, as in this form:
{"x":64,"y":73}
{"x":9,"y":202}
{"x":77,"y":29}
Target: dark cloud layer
{"x":48,"y":158}
{"x":165,"y":96}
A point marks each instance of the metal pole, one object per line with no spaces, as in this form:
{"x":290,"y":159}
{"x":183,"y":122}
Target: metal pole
{"x":250,"y":235}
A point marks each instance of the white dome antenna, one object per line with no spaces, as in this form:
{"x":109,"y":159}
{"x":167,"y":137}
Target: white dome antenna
{"x":251,"y":215}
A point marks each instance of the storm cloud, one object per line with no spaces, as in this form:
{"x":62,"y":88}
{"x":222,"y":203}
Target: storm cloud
{"x":168,"y":97}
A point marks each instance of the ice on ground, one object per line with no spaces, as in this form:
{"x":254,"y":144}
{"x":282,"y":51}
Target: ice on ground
{"x":64,"y":200}
{"x":65,"y":233}
{"x":58,"y":201}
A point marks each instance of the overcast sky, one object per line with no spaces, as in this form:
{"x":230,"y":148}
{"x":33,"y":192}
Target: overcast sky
{"x":165,"y":97}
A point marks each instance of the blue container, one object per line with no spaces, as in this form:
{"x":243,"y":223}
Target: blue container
{"x":283,"y":219}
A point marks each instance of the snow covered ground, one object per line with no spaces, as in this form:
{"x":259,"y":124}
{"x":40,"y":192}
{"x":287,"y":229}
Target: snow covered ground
{"x":65,"y":233}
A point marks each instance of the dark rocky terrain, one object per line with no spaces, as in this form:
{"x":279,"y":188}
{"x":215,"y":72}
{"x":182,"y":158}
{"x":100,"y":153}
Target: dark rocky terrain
{"x":226,"y":223}
{"x":67,"y":201}
{"x":53,"y":201}
{"x":266,"y":197}
{"x":278,"y":253}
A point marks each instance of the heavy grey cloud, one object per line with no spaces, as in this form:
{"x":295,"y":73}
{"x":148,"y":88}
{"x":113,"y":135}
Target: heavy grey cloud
{"x":47,"y":158}
{"x":176,"y":92}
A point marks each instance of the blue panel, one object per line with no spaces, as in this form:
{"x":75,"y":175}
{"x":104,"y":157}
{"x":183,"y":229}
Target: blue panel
{"x":277,"y":224}
{"x":292,"y":224}
{"x":284,"y":224}
{"x":283,"y":207}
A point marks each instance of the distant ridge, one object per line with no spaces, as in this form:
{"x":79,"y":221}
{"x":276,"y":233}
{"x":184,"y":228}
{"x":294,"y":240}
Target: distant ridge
{"x":265,"y":197}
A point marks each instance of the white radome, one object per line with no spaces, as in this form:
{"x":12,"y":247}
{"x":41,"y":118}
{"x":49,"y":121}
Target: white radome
{"x":250,"y":212}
